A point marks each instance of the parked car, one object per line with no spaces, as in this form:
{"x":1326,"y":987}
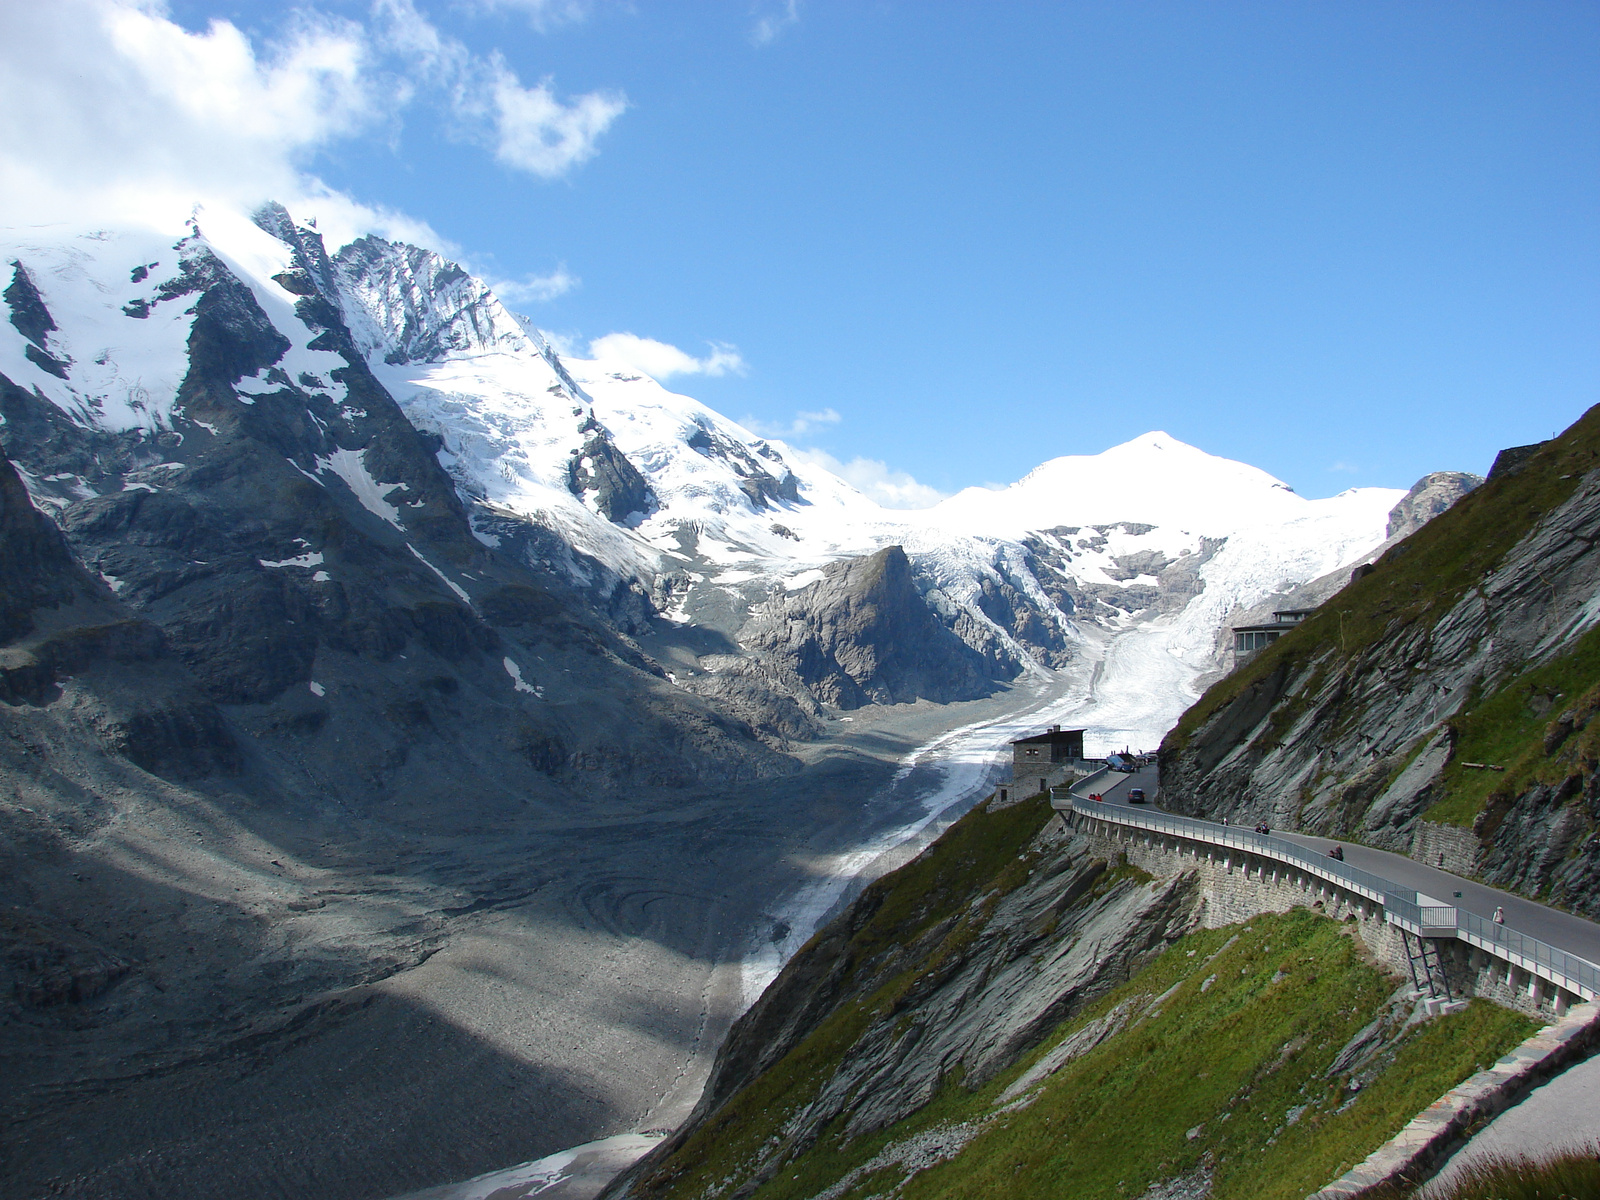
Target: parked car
{"x":1135,"y":795}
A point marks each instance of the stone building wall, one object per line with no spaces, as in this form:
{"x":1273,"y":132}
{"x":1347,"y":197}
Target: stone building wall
{"x":1448,"y":847}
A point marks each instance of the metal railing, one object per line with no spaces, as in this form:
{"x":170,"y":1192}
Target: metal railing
{"x":1504,"y":943}
{"x":1233,"y":837}
{"x":1402,"y":906}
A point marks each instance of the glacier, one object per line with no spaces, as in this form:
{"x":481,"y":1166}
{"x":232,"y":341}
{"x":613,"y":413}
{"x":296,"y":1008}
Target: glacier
{"x":668,"y":514}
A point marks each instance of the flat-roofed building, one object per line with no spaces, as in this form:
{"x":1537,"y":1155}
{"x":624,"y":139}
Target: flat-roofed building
{"x":1043,"y":761}
{"x":1249,"y":640}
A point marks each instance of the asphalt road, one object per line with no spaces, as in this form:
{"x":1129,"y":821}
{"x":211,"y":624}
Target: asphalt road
{"x":1573,"y":934}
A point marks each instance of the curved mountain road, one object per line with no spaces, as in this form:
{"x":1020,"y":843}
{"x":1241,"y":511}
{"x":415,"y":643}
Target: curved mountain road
{"x":1559,"y":1116}
{"x":1564,"y":930}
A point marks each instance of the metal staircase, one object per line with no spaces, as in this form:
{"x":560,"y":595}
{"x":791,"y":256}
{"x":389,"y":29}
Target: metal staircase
{"x":1427,"y":968}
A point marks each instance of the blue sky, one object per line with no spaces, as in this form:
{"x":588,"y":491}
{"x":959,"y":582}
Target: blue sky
{"x":1348,"y":243}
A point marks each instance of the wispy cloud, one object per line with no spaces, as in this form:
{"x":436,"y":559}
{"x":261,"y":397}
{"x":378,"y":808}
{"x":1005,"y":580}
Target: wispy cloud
{"x":528,"y":128}
{"x":1345,"y":467}
{"x":535,"y":289}
{"x":543,"y":15}
{"x":877,"y":480}
{"x":535,"y":132}
{"x":112,"y":107}
{"x":661,"y":360}
{"x":773,"y":17}
{"x":803,"y":423}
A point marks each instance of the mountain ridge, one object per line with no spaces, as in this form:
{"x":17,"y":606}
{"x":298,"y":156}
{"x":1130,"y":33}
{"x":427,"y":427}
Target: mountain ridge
{"x":440,"y":649}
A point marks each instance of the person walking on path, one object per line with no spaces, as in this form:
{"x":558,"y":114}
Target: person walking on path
{"x":1499,"y":915}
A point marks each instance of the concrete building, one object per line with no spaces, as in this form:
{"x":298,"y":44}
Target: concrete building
{"x":1249,"y":640}
{"x":1044,"y":761}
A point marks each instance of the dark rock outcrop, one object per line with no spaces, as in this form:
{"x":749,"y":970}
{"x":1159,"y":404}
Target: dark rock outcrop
{"x":863,"y":635}
{"x":1512,"y":459}
{"x":620,"y":492}
{"x":761,"y":487}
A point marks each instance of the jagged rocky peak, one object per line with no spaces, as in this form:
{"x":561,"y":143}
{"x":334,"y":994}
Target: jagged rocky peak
{"x":862,"y":634}
{"x":313,"y":272}
{"x":1429,"y":497}
{"x":421,"y":307}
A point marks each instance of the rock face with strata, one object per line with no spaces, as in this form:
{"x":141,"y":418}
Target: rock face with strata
{"x":864,"y":635}
{"x":1358,"y":741}
{"x":993,"y":975}
{"x":1428,"y":497}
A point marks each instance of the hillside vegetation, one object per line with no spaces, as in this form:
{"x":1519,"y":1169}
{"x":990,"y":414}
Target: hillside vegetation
{"x":1265,"y":1058}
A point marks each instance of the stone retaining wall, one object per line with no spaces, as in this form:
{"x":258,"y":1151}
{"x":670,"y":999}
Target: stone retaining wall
{"x":1418,"y":1150}
{"x":1448,"y":847}
{"x":1237,"y":885}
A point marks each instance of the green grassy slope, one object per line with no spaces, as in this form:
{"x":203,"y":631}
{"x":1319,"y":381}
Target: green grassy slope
{"x":1538,"y":727}
{"x":982,"y":856}
{"x":1241,"y":1067}
{"x":1235,"y":1053}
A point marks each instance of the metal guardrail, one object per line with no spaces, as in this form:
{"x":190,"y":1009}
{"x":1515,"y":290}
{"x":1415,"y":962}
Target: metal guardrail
{"x":1374,"y":887}
{"x":1402,"y":906}
{"x":1504,"y":942}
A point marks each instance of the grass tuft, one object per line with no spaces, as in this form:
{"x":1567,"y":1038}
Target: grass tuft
{"x":1574,"y":1175}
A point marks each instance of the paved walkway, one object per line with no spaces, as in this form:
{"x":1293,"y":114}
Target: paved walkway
{"x":1564,"y":1114}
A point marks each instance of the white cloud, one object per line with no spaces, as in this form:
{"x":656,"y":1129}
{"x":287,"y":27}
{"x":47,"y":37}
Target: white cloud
{"x":803,"y":423}
{"x":537,"y":133}
{"x":877,"y":480}
{"x":527,"y":127}
{"x":111,"y":109}
{"x":535,"y":289}
{"x":1345,"y":467}
{"x":661,"y":360}
{"x":541,"y":14}
{"x":115,"y":111}
{"x":773,"y":19}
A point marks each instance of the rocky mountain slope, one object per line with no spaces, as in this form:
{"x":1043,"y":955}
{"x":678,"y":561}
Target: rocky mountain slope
{"x":378,"y":679}
{"x":1010,"y":1015}
{"x":279,"y":730}
{"x":1442,"y":702}
{"x":678,"y":527}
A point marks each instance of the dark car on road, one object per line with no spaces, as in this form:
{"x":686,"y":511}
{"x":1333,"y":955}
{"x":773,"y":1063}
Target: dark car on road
{"x":1135,"y":795}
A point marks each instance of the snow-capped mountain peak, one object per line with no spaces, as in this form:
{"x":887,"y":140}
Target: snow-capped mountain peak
{"x":1152,"y":479}
{"x":627,"y":490}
